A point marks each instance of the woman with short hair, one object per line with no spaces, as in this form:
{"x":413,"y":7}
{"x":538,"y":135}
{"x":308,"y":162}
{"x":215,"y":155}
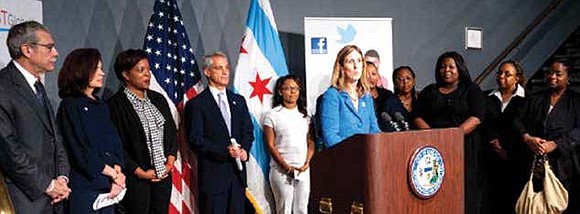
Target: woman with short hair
{"x":93,"y":145}
{"x":148,"y":133}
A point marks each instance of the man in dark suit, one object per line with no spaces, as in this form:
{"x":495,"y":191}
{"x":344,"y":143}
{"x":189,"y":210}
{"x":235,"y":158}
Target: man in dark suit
{"x":32,"y":156}
{"x":214,"y":119}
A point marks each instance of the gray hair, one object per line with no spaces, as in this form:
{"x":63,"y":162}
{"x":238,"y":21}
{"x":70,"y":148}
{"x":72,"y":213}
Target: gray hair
{"x":23,"y":33}
{"x":208,"y":59}
{"x":372,"y":53}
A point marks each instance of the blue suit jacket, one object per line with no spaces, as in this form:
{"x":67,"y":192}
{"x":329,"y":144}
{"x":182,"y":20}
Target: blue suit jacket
{"x":341,"y":120}
{"x":92,"y":142}
{"x":207,"y":134}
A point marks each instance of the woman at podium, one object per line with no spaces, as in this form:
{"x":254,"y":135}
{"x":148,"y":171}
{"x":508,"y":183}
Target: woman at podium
{"x":286,"y":133}
{"x":347,"y":108}
{"x":455,"y":101}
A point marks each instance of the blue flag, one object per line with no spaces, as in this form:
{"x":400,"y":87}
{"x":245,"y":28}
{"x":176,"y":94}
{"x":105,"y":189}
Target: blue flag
{"x":260,"y":63}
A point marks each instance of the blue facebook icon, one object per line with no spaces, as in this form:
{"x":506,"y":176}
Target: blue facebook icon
{"x":318,"y":45}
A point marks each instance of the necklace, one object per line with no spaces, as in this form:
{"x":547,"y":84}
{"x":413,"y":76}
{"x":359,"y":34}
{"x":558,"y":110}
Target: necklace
{"x":354,"y":99}
{"x":406,"y":103}
{"x":353,"y":96}
{"x":406,"y":100}
{"x":354,"y":102}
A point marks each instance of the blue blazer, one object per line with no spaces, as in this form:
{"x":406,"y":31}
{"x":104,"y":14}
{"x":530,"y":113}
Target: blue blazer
{"x":207,"y":134}
{"x":341,"y":120}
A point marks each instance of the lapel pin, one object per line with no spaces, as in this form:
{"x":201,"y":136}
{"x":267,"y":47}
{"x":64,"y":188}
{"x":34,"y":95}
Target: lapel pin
{"x":86,"y":108}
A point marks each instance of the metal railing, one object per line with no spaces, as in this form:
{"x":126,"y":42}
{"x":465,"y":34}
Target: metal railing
{"x":517,"y":41}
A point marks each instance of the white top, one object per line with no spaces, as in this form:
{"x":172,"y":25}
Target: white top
{"x":520,"y":92}
{"x":291,"y":129}
{"x":215,"y":92}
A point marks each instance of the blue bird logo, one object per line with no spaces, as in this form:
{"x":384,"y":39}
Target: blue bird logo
{"x":347,"y":35}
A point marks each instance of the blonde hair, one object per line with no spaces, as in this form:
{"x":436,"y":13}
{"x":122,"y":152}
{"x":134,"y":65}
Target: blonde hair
{"x":338,"y":76}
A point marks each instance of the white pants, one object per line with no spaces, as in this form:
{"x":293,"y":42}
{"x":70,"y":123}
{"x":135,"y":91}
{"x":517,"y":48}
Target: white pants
{"x":291,"y":195}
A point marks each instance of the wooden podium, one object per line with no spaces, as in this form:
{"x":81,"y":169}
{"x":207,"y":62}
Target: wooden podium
{"x":373,"y":170}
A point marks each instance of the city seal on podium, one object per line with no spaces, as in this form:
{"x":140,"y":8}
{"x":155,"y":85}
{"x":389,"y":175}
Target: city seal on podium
{"x":426,"y":171}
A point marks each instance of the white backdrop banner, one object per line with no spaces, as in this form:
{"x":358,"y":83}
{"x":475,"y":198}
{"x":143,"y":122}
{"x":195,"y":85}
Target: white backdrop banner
{"x":13,"y":12}
{"x":324,"y":37}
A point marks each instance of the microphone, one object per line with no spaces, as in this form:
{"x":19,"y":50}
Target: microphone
{"x":233,"y":142}
{"x":386,"y":118}
{"x":399,"y":117}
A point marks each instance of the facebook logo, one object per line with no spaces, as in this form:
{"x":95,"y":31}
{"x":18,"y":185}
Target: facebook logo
{"x":318,"y":45}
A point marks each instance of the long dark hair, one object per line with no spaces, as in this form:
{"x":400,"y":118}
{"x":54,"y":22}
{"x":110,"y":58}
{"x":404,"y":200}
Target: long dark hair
{"x":78,"y":68}
{"x":464,"y":77}
{"x":278,"y":100}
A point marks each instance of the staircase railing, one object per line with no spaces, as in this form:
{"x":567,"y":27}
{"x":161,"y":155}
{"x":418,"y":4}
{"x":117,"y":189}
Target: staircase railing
{"x":517,"y":41}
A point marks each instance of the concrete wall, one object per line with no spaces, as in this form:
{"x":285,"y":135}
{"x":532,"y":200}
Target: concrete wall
{"x":422,"y":29}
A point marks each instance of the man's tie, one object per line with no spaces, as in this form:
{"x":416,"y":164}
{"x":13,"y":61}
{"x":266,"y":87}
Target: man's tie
{"x":224,"y":111}
{"x":41,"y":97}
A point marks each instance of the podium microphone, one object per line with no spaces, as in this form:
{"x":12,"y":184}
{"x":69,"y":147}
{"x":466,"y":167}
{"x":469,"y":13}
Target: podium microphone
{"x":386,"y":118}
{"x":233,"y":142}
{"x":399,"y":117}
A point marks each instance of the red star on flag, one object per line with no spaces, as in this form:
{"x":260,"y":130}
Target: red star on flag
{"x":242,"y":49}
{"x":260,"y":87}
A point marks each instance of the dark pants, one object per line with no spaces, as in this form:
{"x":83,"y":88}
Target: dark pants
{"x":144,"y":196}
{"x":230,"y":202}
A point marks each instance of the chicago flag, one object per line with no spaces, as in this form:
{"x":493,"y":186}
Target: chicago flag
{"x":260,"y":63}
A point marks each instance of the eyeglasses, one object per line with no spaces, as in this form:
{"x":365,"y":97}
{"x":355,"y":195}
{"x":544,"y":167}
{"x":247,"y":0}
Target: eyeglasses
{"x":290,"y":88}
{"x":47,"y":46}
{"x":552,"y":72}
{"x":401,"y":79}
{"x":505,"y":73}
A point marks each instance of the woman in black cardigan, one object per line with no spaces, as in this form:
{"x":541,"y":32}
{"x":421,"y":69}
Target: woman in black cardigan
{"x":506,"y":158}
{"x":148,"y":133}
{"x":549,"y":124}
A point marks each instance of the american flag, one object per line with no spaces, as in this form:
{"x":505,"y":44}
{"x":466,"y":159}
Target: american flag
{"x":176,"y":76}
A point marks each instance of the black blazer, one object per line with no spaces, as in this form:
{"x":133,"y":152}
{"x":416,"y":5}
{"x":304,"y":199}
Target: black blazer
{"x":31,"y":151}
{"x":207,"y":134}
{"x":131,"y":130}
{"x":562,"y":126}
{"x":499,"y":125}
